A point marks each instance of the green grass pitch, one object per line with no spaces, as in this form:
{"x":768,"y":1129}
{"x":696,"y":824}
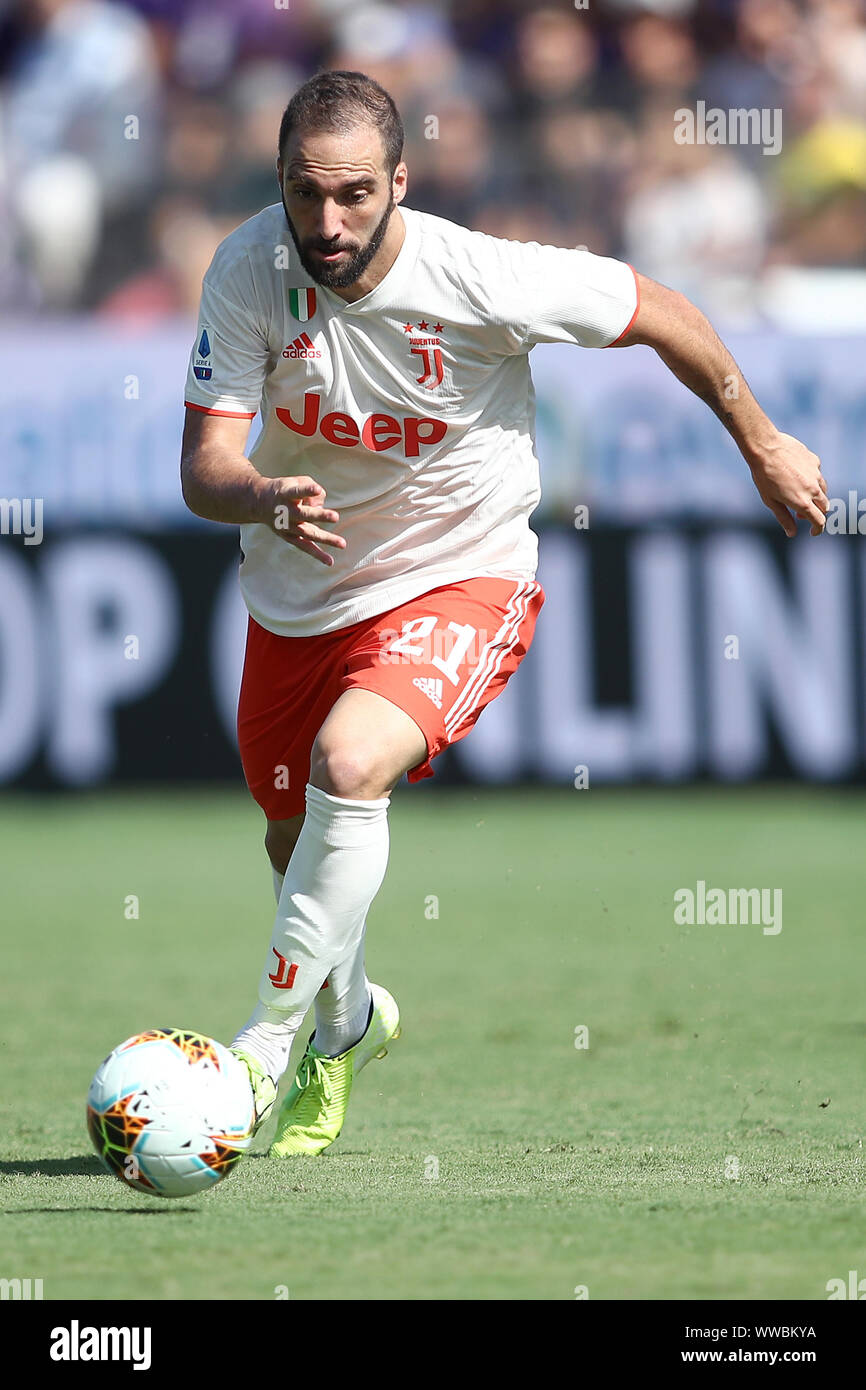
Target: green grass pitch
{"x":707,"y":1143}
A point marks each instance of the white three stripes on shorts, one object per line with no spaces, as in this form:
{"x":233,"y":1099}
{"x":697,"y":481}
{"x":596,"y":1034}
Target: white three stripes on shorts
{"x":493,"y":654}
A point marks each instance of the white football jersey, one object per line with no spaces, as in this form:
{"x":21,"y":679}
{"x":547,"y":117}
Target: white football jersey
{"x":413,"y":407}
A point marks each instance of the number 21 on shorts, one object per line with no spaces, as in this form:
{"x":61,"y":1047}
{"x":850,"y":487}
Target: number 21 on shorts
{"x":422,"y":641}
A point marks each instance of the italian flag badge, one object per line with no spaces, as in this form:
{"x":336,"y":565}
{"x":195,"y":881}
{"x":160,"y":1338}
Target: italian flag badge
{"x":302,"y":304}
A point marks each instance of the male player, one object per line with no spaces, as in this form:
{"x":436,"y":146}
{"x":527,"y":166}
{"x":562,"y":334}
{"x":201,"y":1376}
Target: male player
{"x":388,"y":352}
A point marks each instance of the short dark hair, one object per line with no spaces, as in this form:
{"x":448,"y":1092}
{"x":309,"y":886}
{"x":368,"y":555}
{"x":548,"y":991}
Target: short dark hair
{"x":342,"y":100}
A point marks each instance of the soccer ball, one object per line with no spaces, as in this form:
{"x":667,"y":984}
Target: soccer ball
{"x":170,"y":1112}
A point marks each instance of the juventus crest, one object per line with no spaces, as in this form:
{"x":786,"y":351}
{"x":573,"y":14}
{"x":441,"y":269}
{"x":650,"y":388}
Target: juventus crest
{"x":425,"y":343}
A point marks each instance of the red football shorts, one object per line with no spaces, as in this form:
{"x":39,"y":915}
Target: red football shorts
{"x":440,"y":657}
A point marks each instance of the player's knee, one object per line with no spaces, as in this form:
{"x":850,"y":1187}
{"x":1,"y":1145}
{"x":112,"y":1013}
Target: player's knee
{"x":344,"y":771}
{"x":280,"y":840}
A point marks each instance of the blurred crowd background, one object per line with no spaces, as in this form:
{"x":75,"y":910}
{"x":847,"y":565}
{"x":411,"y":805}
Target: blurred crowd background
{"x":135,"y":134}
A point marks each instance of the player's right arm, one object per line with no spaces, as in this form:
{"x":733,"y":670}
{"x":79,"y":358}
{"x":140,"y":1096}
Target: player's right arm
{"x":220,"y":484}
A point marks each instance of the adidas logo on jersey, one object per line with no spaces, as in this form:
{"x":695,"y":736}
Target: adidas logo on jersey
{"x":431,"y":688}
{"x":302,"y":346}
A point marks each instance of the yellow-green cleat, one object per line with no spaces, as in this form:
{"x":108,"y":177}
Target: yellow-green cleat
{"x":314,"y":1109}
{"x":264,"y":1086}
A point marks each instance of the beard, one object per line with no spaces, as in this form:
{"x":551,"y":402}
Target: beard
{"x":357,"y":260}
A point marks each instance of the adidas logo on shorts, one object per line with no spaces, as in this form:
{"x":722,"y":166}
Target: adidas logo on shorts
{"x":431,"y":688}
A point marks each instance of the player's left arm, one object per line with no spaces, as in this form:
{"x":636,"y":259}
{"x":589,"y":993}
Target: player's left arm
{"x":786,"y":473}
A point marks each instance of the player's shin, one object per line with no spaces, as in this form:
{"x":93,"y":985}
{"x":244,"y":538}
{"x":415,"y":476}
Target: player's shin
{"x":269,"y":1041}
{"x":334,"y":874}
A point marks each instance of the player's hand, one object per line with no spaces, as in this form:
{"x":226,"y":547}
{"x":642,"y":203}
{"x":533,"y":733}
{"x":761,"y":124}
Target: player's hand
{"x":293,"y":508}
{"x":788,"y":478}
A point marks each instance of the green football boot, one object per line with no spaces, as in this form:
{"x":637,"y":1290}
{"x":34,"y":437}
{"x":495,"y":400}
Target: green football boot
{"x":264,"y":1086}
{"x":314,"y":1109}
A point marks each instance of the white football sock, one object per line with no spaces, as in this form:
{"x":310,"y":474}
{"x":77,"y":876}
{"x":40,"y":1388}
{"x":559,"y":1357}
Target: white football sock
{"x":334,"y":874}
{"x":343,"y":1009}
{"x":270,"y":1042}
{"x":343,"y":1003}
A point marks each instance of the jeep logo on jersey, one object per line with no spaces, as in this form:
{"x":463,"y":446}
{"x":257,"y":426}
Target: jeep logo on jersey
{"x":377,"y":432}
{"x":302,"y":303}
{"x":203,"y":365}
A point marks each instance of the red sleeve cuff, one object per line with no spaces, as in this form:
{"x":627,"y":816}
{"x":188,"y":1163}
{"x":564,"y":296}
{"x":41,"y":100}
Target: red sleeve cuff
{"x":230,"y":414}
{"x":636,"y":308}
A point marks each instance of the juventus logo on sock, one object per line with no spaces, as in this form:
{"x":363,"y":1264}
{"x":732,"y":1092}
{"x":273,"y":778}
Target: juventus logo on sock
{"x":284,"y":976}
